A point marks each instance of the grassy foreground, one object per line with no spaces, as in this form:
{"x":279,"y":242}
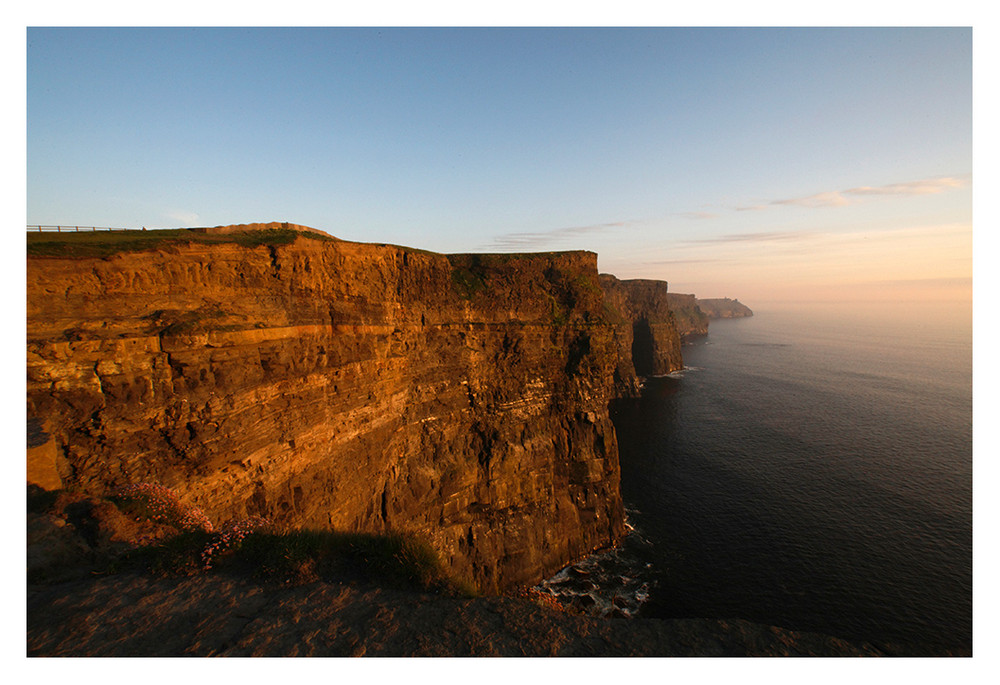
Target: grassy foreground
{"x":145,"y":528}
{"x":101,"y":244}
{"x":299,"y":556}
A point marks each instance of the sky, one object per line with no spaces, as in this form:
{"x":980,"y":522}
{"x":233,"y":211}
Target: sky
{"x":762,"y":164}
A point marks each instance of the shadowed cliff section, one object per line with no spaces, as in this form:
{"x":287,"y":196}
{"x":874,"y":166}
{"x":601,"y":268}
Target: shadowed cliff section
{"x":329,"y":384}
{"x":645,"y":330}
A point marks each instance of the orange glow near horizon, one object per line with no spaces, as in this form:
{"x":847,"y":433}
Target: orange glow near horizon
{"x":925,"y":263}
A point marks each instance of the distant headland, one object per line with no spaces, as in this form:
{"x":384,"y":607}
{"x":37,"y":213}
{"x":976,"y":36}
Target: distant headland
{"x":723,"y":308}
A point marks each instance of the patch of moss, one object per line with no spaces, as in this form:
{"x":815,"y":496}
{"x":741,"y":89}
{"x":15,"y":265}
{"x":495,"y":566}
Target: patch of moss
{"x":560,"y":315}
{"x":466,"y":282}
{"x":612,"y":315}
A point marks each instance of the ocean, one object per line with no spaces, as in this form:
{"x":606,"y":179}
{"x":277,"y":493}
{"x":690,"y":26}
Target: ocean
{"x":811,"y":468}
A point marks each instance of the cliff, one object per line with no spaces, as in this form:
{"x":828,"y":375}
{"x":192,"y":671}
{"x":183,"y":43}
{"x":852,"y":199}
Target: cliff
{"x":723,"y":308}
{"x":645,"y":330}
{"x":690,"y":319}
{"x":329,"y":384}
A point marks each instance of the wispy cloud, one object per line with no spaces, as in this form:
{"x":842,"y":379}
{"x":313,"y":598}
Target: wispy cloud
{"x":829,"y":199}
{"x":926,"y":187}
{"x":774,"y":236}
{"x":534,"y":240}
{"x":840,"y":198}
{"x":528,"y":241}
{"x":698,"y":216}
{"x":674,"y":262}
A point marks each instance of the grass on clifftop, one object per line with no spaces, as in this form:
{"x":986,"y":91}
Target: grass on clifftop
{"x":101,"y":244}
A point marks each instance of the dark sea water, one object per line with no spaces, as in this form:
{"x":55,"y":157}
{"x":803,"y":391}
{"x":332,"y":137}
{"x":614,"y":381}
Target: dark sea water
{"x":812,"y":469}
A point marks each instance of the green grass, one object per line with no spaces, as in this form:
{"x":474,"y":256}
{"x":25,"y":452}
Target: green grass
{"x":176,"y":555}
{"x":101,"y":244}
{"x":254,"y":547}
{"x":391,"y":558}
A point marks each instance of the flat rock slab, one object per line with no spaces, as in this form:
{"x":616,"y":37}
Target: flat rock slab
{"x":129,"y":615}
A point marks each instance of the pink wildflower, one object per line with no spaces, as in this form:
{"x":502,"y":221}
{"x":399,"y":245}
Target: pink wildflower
{"x":231,"y":535}
{"x":163,"y":506}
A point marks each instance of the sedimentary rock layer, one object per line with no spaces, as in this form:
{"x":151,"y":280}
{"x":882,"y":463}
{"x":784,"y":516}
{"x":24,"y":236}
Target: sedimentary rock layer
{"x":331,"y":384}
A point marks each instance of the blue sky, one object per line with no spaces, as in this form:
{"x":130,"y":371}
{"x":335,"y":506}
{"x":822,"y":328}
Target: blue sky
{"x":752,"y":163}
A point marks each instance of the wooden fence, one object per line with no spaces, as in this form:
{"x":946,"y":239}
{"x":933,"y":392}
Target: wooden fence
{"x":76,"y":229}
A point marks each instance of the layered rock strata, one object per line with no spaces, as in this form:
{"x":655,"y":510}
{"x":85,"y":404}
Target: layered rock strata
{"x":645,"y":330}
{"x":329,"y":384}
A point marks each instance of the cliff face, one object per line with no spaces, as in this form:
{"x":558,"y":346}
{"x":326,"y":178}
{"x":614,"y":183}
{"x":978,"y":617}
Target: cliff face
{"x":646,"y":332}
{"x":329,"y":384}
{"x":723,"y":308}
{"x":691,"y":320}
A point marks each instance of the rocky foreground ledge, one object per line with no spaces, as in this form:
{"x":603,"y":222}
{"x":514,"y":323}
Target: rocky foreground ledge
{"x":130,"y":577}
{"x":219,"y":615}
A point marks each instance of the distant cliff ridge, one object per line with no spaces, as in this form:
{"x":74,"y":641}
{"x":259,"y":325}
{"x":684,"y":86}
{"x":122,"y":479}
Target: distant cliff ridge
{"x":723,"y":308}
{"x":329,"y":384}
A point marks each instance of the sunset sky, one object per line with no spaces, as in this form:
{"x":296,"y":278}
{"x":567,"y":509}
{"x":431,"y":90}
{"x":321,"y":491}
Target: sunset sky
{"x":763,"y":164}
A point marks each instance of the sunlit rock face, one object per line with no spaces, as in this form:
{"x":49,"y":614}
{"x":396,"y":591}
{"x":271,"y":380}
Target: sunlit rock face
{"x":645,"y":332}
{"x":330,"y":384}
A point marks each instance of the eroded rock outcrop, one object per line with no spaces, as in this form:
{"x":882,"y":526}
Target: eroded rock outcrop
{"x":331,"y":384}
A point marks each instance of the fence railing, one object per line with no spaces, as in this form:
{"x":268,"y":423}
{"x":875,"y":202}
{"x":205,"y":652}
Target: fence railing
{"x":76,"y":229}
